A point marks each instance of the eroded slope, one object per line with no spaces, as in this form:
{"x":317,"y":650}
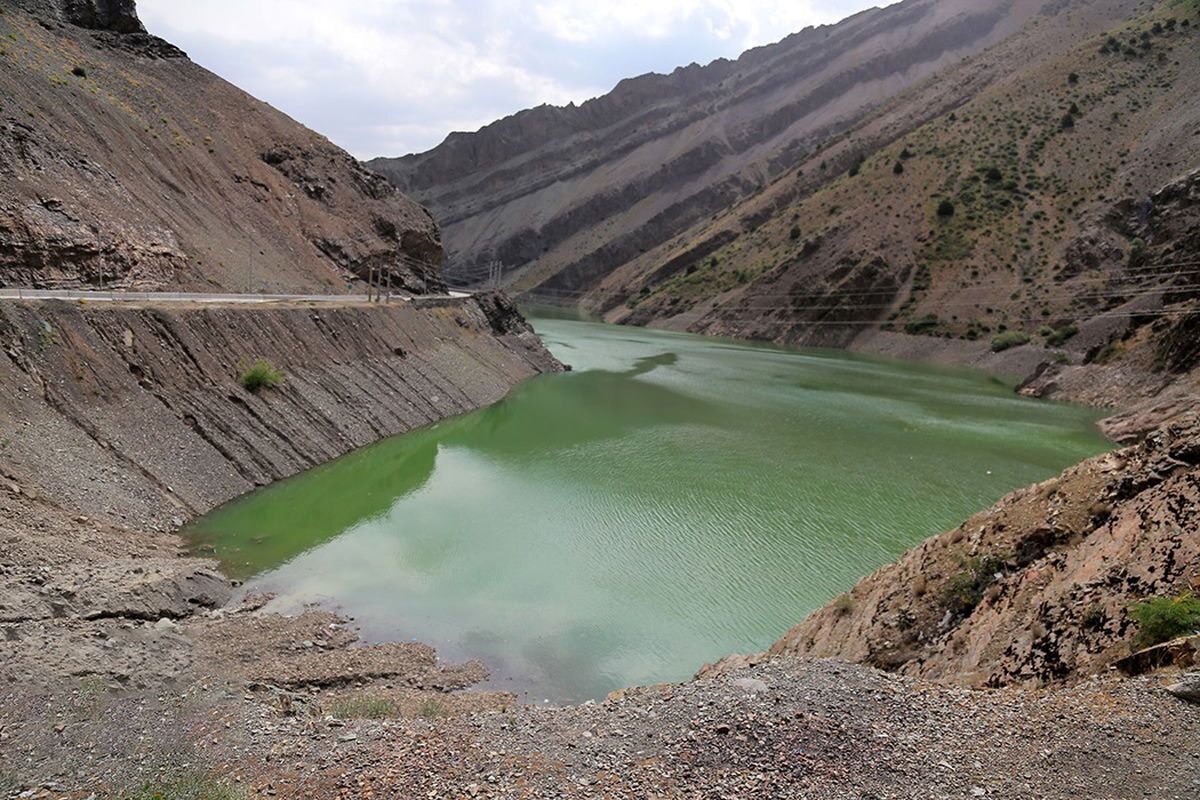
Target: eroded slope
{"x":124,"y":164}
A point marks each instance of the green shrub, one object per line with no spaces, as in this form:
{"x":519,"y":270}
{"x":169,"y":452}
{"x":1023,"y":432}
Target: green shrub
{"x":795,"y":233}
{"x":1068,"y":121}
{"x":898,"y":169}
{"x":79,"y":72}
{"x":1161,"y":619}
{"x":843,"y":603}
{"x":1061,"y":336}
{"x":260,"y":375}
{"x":1009,"y":340}
{"x":945,"y":208}
{"x":922,"y":325}
{"x":965,"y":590}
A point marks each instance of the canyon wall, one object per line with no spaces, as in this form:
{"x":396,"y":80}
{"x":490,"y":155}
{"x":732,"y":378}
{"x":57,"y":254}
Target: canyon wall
{"x":136,"y":414}
{"x":562,"y":195}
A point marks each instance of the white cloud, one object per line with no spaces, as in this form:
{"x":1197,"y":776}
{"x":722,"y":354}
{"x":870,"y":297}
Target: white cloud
{"x":391,"y":76}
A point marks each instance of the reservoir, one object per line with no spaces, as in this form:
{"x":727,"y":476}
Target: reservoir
{"x":672,"y":500}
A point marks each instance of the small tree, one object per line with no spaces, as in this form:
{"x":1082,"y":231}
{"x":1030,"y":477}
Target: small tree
{"x":1161,"y":619}
{"x":1073,"y":78}
{"x":945,"y":208}
{"x":898,"y":169}
{"x":794,"y":233}
{"x":1068,"y":121}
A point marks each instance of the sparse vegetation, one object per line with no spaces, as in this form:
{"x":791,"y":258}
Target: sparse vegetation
{"x":965,"y":590}
{"x":922,"y":325}
{"x":47,"y":336}
{"x":260,"y":375}
{"x":1161,"y":619}
{"x":187,"y":785}
{"x":432,"y":708}
{"x":843,"y":603}
{"x":361,"y":707}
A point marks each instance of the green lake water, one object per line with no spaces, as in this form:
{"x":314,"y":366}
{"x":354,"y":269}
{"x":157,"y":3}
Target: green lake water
{"x":673,"y":500}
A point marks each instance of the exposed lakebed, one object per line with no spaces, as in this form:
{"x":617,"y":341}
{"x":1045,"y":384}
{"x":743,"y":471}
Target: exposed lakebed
{"x":673,"y":500}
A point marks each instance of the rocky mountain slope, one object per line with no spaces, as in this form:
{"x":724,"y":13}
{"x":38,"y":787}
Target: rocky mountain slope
{"x":1037,"y":589}
{"x":124,"y":164}
{"x":1032,"y":210}
{"x":1020,"y":208}
{"x":564,"y":195}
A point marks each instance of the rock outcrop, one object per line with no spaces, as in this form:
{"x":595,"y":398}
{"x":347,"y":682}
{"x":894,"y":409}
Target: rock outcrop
{"x":1036,"y":589}
{"x":123,"y":164}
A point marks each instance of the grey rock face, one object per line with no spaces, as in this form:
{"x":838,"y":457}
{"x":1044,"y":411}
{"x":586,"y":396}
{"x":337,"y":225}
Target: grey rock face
{"x":1187,"y":689}
{"x":119,"y":16}
{"x":110,"y":15}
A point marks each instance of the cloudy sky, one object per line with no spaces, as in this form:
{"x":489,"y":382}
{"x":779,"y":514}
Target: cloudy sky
{"x":389,"y":77}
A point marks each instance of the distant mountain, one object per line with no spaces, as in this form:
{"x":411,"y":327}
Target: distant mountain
{"x":564,"y":195}
{"x":123,"y":163}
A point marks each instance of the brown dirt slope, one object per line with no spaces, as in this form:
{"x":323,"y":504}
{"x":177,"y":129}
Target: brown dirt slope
{"x":124,"y":163}
{"x":1036,"y":589}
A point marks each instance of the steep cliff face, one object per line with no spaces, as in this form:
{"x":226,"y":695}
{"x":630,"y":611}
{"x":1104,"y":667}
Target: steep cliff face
{"x":564,"y":195}
{"x":122,"y":163}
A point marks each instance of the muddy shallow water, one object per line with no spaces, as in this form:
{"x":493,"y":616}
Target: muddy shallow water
{"x":673,"y":500}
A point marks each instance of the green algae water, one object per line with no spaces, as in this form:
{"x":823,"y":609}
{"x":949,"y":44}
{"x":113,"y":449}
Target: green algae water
{"x":673,"y":500}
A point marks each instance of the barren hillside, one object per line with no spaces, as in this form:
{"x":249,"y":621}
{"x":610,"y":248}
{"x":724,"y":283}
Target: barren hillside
{"x":123,"y":163}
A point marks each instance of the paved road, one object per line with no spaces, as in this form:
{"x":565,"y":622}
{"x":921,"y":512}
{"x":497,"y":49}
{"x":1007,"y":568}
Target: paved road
{"x":187,"y":297}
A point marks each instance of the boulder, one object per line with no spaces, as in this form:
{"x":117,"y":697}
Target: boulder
{"x":1187,"y":689}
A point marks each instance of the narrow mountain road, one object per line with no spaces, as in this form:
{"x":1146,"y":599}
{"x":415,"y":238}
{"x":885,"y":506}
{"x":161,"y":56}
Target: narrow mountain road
{"x":189,"y":297}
